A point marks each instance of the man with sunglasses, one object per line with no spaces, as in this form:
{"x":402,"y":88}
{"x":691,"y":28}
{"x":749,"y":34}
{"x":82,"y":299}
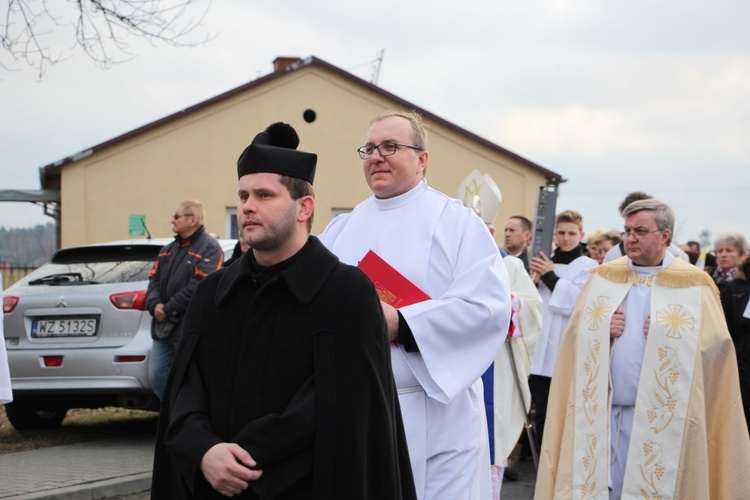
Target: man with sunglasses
{"x":179,"y":267}
{"x":645,"y":389}
{"x":440,"y":346}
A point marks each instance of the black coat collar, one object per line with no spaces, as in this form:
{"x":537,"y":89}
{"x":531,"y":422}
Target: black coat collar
{"x":305,"y":276}
{"x":183,"y":242}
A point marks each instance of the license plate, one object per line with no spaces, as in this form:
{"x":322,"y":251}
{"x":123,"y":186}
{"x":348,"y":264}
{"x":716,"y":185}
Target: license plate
{"x":64,"y":327}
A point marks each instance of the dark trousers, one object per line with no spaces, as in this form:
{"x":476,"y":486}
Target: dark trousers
{"x":539,"y":387}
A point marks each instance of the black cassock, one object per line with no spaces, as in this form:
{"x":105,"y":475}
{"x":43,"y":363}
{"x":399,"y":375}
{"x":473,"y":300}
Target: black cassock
{"x":292,"y":363}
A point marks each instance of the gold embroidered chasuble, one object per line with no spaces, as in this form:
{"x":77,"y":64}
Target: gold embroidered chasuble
{"x":688,"y":440}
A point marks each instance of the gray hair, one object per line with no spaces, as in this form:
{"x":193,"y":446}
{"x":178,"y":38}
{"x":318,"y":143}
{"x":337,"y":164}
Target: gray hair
{"x":736,"y":240}
{"x":194,"y":207}
{"x":663,"y":214}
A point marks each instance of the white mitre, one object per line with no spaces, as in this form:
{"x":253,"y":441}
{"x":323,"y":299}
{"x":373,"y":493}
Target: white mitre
{"x":480,"y":193}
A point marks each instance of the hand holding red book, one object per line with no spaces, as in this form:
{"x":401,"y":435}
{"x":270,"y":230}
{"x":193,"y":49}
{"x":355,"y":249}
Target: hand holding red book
{"x":393,"y":287}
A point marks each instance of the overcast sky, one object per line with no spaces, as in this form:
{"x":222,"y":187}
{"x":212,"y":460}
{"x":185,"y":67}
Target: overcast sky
{"x":616,"y":96}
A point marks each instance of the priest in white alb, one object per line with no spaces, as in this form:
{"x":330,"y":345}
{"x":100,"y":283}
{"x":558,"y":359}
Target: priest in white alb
{"x":645,"y":398}
{"x":441,"y":346}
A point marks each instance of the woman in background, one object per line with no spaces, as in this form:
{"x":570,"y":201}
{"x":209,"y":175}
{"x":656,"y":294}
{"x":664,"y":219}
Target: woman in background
{"x":730,"y":249}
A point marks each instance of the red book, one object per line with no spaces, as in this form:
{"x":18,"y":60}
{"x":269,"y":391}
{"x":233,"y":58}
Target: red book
{"x":392,"y":286}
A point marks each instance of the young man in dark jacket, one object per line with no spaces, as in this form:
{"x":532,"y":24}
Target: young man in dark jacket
{"x":282,"y":385}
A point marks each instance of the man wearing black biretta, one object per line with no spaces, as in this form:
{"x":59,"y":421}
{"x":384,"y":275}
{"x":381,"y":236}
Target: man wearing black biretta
{"x":282,"y":386}
{"x":275,"y":150}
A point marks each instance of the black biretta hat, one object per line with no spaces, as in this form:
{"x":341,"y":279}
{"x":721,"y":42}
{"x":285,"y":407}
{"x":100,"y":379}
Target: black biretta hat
{"x":275,"y":150}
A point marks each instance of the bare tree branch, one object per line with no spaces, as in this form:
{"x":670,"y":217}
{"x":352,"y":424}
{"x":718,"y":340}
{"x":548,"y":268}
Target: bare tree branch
{"x":101,"y":28}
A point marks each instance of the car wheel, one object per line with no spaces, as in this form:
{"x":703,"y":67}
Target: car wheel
{"x":24,"y":417}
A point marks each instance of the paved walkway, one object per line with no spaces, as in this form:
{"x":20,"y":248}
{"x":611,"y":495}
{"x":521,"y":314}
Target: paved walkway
{"x":120,"y":467}
{"x":92,"y":470}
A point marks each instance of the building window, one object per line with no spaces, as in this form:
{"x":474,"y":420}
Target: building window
{"x":339,"y":211}
{"x":230,"y":224}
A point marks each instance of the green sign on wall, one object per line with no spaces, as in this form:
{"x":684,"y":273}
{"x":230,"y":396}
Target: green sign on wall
{"x":137,"y":225}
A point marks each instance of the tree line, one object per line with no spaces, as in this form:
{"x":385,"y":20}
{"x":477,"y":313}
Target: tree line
{"x":26,"y":247}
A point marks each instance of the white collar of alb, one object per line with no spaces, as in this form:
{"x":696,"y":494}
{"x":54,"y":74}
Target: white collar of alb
{"x":402,"y":199}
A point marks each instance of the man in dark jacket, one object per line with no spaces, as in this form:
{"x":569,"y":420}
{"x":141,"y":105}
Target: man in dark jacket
{"x":282,"y":384}
{"x":179,"y":267}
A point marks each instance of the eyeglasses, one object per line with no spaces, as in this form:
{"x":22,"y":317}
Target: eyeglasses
{"x":638,"y":232}
{"x":384,"y":149}
{"x":177,"y":216}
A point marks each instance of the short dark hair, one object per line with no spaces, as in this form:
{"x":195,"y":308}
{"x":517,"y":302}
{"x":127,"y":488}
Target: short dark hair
{"x":525,"y":223}
{"x":297,"y":189}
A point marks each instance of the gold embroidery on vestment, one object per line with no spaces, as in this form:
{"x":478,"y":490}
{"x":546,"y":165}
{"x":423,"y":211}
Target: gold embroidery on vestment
{"x":591,"y":367}
{"x":652,"y":470}
{"x":588,"y":485}
{"x":664,"y":398}
{"x":471,"y":197}
{"x":472,"y":189}
{"x":675,"y":320}
{"x":597,"y":311}
{"x":643,"y":280}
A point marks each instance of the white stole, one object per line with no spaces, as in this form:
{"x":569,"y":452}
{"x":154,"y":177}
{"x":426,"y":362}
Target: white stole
{"x":663,"y":393}
{"x":591,"y":443}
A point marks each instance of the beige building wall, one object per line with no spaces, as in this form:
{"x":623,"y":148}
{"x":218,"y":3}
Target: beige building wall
{"x":194,"y":157}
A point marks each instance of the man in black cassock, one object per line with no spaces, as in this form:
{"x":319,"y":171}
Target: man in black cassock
{"x":282,"y":385}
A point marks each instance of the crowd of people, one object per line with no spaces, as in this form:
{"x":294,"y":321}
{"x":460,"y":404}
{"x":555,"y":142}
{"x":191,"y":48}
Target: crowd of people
{"x":402,"y":355}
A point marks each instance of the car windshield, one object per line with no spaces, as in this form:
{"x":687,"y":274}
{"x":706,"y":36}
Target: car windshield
{"x":95,"y":265}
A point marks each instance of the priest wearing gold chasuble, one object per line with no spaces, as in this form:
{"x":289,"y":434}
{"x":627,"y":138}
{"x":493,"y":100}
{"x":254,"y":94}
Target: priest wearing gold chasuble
{"x":645,"y":399}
